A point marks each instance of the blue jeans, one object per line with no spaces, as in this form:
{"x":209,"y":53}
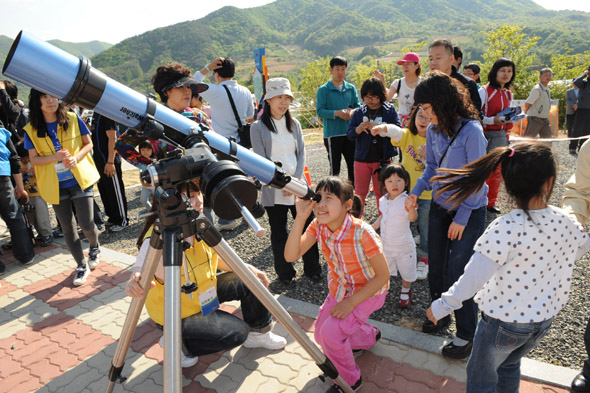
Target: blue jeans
{"x":220,"y":331}
{"x":447,"y":260}
{"x":423,"y":213}
{"x":494,"y":365}
{"x":11,"y":213}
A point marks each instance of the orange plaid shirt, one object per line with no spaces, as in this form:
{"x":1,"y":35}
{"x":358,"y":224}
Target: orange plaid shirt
{"x":347,"y":251}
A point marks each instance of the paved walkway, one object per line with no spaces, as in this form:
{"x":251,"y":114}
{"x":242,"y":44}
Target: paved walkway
{"x":58,"y":338}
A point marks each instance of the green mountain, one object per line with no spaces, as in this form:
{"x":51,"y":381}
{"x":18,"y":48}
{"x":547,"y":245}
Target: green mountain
{"x":297,"y":31}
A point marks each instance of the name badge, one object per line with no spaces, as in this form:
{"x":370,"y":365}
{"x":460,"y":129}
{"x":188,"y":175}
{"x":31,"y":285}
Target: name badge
{"x":208,"y":299}
{"x":63,"y":173}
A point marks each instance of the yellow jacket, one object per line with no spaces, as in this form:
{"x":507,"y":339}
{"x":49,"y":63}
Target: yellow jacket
{"x":202,"y":267}
{"x":85,"y":171}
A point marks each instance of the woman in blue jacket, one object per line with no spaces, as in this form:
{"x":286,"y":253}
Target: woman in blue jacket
{"x":371,"y":151}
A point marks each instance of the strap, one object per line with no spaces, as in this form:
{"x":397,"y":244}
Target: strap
{"x":452,"y":140}
{"x":233,"y":106}
{"x":399,"y":86}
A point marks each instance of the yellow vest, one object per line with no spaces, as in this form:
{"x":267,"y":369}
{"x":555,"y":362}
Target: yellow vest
{"x":202,"y":267}
{"x":85,"y":171}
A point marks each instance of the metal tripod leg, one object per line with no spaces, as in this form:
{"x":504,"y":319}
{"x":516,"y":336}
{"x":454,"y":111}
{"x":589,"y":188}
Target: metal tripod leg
{"x":149,"y":268}
{"x":211,"y":237}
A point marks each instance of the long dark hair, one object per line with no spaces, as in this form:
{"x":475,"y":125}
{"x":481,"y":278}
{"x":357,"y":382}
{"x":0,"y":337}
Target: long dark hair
{"x":493,"y":74}
{"x":394,"y":169}
{"x":344,"y":190}
{"x":411,"y":122}
{"x":37,"y":119}
{"x":450,"y":100}
{"x":526,"y":168}
{"x":266,"y":119}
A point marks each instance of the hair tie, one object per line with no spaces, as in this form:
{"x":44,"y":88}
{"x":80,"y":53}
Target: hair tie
{"x":511,"y":153}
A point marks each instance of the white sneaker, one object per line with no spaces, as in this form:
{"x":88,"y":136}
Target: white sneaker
{"x":417,"y":240}
{"x":82,"y":273}
{"x":267,"y":340}
{"x":228,"y":226}
{"x":93,"y":257}
{"x":421,"y":270}
{"x":116,"y":228}
{"x":185,"y":361}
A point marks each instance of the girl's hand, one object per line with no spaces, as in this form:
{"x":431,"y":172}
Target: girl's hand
{"x":455,"y":231}
{"x":411,"y":202}
{"x":342,"y":309}
{"x":304,"y":207}
{"x":362,"y":127}
{"x":62,"y":155}
{"x":499,"y":120}
{"x":260,"y":275}
{"x":378,"y":129}
{"x":377,"y":74}
{"x":422,"y":150}
{"x":133,"y":288}
{"x":71,"y":162}
{"x":430,"y":315}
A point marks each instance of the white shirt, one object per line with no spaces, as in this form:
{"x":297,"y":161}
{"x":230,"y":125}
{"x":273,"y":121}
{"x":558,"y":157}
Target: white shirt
{"x":521,"y":269}
{"x":223,"y":119}
{"x":283,"y":150}
{"x":405,"y":96}
{"x":395,"y":223}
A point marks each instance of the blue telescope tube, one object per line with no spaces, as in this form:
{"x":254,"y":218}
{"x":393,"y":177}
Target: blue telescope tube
{"x":53,"y":71}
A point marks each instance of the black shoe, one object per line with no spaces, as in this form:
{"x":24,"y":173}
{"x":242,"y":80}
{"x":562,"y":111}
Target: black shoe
{"x":316,"y":277}
{"x":573,"y":152}
{"x":429,"y":327}
{"x":45,"y":241}
{"x":457,"y":351}
{"x":581,"y":383}
{"x":336,"y":389}
{"x":287,"y":282}
{"x":494,"y":209}
{"x":2,"y":268}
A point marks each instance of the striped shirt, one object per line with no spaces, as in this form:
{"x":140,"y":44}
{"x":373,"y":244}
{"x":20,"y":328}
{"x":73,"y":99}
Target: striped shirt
{"x":347,"y":251}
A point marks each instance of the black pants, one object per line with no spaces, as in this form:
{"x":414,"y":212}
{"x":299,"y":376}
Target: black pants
{"x":112,"y":193}
{"x":569,"y":120}
{"x":340,"y":146}
{"x":586,"y":369}
{"x":11,"y":213}
{"x":277,"y":219}
{"x":582,"y":124}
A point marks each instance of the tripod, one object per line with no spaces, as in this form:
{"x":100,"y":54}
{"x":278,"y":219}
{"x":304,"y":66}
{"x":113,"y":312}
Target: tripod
{"x":166,"y":241}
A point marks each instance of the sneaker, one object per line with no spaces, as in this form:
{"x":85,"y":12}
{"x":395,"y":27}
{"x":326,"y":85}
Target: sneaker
{"x":185,"y":361}
{"x":227,"y":225}
{"x":267,"y":340}
{"x":359,"y":352}
{"x":82,"y":273}
{"x":337,"y":389}
{"x":45,"y":241}
{"x":417,"y":240}
{"x":2,"y":268}
{"x":100,"y":227}
{"x":422,"y":269}
{"x":57,"y":233}
{"x":31,"y":261}
{"x":93,"y":257}
{"x":116,"y":228}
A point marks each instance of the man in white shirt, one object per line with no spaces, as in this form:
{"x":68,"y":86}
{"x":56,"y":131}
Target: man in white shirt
{"x":537,"y":107}
{"x":223,"y":119}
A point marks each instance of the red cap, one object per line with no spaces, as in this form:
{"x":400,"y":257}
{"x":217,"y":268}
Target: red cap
{"x":409,"y":58}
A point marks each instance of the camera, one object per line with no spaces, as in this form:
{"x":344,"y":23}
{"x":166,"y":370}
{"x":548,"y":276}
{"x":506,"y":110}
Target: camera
{"x":26,"y":207}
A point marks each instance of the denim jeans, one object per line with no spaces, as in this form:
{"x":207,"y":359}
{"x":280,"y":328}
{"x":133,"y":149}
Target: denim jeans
{"x":447,"y":260}
{"x":11,"y":213}
{"x":277,"y":219}
{"x":423,"y":213}
{"x":220,"y":331}
{"x":494,"y":365}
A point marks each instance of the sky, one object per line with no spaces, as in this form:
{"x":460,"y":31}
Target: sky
{"x":115,"y":20}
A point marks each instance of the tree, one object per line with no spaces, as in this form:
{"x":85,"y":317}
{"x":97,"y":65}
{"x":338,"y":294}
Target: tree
{"x":510,"y":42}
{"x":312,"y":76}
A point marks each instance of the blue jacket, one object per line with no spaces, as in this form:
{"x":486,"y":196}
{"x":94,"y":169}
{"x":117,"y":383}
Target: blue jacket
{"x":9,"y":159}
{"x":328,"y":100}
{"x":469,"y":145}
{"x":363,"y":139}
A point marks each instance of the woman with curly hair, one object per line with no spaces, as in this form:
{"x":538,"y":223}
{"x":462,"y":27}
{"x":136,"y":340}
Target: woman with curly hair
{"x":454,"y":138}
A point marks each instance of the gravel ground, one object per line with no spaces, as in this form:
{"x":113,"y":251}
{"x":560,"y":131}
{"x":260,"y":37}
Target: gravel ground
{"x":563,"y":345}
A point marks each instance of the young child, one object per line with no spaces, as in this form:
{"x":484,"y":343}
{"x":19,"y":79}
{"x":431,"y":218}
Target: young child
{"x":412,"y":142}
{"x":39,"y":217}
{"x":358,"y":276}
{"x":522,"y":266}
{"x":146,"y":150}
{"x":398,"y":244}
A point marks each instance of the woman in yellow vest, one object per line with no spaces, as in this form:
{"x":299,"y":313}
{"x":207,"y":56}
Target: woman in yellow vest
{"x":205,"y":328}
{"x":59,"y":142}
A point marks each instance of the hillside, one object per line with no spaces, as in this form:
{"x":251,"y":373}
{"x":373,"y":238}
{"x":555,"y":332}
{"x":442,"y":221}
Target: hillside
{"x":297,"y":31}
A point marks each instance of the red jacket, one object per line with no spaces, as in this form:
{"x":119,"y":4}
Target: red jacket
{"x":497,"y":101}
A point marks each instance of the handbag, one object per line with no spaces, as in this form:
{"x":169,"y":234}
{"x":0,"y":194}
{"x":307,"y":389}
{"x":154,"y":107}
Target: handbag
{"x":243,"y":130}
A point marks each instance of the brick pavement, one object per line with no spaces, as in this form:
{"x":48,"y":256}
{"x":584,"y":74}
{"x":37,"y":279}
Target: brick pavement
{"x":58,"y":338}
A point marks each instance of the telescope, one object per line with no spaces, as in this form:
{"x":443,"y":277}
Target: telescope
{"x":53,"y":71}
